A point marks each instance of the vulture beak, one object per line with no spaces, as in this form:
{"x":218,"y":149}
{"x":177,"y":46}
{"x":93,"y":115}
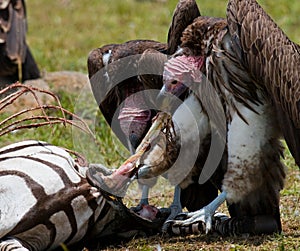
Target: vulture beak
{"x":168,"y":101}
{"x":132,"y":142}
{"x":164,"y":100}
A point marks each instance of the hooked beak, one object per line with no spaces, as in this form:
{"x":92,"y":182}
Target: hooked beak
{"x":168,"y":101}
{"x":164,"y":100}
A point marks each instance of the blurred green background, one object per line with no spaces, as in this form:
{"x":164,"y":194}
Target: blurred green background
{"x":62,"y":32}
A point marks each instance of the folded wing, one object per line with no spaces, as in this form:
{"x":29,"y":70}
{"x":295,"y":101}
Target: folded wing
{"x":273,"y":60}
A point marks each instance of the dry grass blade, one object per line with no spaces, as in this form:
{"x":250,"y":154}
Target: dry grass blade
{"x":16,"y":122}
{"x":22,"y":89}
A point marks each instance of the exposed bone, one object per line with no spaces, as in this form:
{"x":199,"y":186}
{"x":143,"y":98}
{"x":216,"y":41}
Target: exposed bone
{"x":117,"y":183}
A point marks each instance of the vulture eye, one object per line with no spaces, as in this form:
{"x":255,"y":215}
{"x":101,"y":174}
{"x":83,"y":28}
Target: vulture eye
{"x":174,"y":82}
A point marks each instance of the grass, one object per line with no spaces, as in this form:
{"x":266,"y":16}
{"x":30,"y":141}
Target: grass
{"x":61,"y":34}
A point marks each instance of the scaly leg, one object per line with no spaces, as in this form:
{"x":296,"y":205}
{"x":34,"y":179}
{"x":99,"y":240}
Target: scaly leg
{"x":145,"y":195}
{"x":175,"y":207}
{"x":203,"y":215}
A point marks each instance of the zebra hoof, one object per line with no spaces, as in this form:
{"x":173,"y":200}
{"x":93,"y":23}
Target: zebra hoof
{"x":114,"y":184}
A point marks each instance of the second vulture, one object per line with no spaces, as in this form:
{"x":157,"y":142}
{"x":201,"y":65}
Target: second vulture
{"x":254,"y":67}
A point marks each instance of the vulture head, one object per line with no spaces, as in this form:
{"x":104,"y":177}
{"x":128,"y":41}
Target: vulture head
{"x":134,"y":116}
{"x":187,"y":64}
{"x":113,"y":71}
{"x":180,"y":72}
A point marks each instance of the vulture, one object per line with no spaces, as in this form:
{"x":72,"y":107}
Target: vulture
{"x":253,"y":67}
{"x":119,"y":92}
{"x":118,"y":72}
{"x":128,"y":115}
{"x":16,"y":60}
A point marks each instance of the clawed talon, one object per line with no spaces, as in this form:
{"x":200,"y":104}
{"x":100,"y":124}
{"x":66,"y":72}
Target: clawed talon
{"x":175,"y":211}
{"x":200,"y":221}
{"x":181,"y":216}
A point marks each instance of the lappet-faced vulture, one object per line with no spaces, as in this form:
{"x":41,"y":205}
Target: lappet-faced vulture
{"x":252,"y":65}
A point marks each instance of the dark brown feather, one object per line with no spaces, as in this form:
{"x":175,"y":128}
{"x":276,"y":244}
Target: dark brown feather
{"x":152,"y":63}
{"x":184,"y":14}
{"x":273,"y":61}
{"x":201,"y":34}
{"x":109,"y":89}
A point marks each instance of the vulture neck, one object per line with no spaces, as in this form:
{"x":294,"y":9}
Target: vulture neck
{"x":190,"y":120}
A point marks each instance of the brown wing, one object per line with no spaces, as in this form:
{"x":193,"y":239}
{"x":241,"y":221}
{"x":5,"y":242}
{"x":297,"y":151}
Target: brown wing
{"x":273,"y":60}
{"x":113,"y":74}
{"x":184,"y":14}
{"x":99,"y":83}
{"x":150,"y":67}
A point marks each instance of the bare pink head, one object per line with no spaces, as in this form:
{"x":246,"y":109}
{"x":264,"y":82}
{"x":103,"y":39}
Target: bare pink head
{"x":180,"y":72}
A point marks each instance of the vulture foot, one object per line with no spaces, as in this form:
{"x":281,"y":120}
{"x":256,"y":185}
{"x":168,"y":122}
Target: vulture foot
{"x":175,"y":210}
{"x":188,"y":221}
{"x":195,"y":225}
{"x":144,"y":200}
{"x":199,"y":221}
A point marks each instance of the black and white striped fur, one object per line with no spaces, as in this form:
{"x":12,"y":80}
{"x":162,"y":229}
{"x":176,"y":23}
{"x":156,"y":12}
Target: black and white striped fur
{"x":45,"y":200}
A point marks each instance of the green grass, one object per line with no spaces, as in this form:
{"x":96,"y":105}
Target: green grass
{"x":61,"y":34}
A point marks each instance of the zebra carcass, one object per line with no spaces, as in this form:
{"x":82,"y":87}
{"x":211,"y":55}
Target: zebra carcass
{"x":46,"y":200}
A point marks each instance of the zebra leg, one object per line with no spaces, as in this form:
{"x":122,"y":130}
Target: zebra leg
{"x":12,"y":244}
{"x":235,"y":226}
{"x":255,"y":225}
{"x":196,"y":227}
